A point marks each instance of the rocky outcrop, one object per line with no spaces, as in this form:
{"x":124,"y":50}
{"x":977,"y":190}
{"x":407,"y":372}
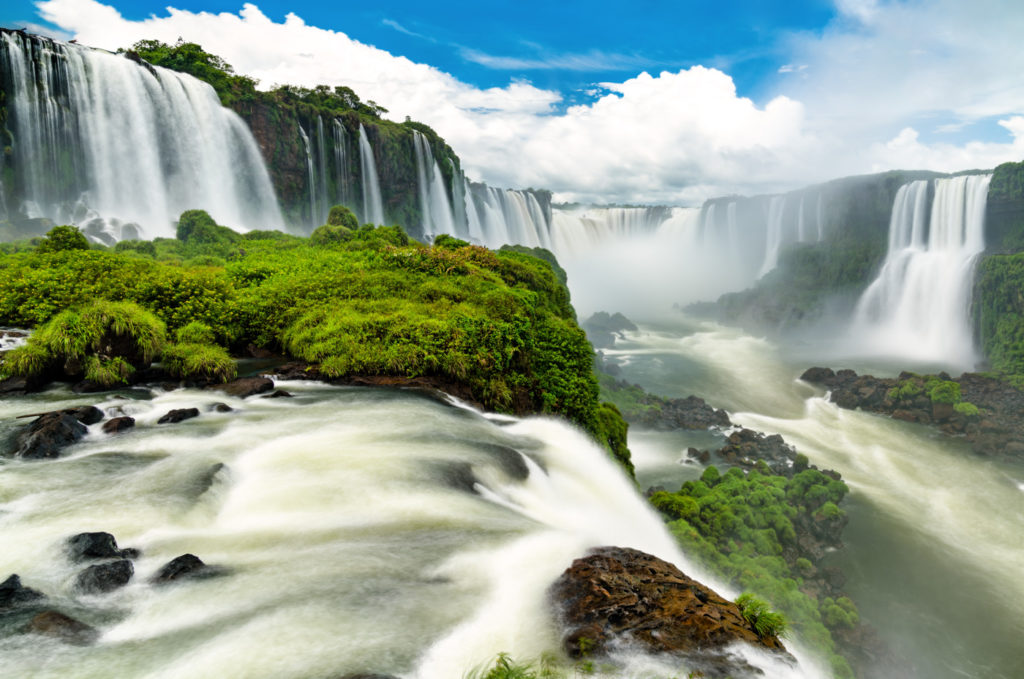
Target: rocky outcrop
{"x":246,"y":386}
{"x":178,"y":415}
{"x":105,"y":577}
{"x":48,"y":435}
{"x":747,"y":448}
{"x":99,"y":545}
{"x":118,"y":424}
{"x":62,"y":627}
{"x":13,"y":593}
{"x":617,"y":595}
{"x":997,"y":429}
{"x":185,"y":567}
{"x":603,"y":328}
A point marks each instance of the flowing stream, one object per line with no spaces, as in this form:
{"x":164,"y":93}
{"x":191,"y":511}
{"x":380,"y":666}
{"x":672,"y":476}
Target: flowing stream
{"x":362,"y":529}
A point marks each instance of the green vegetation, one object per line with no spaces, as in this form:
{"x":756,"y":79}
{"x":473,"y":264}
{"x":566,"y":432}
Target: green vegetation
{"x":63,"y":238}
{"x":505,"y":667}
{"x":999,"y":313}
{"x":759,"y":614}
{"x":936,"y":390}
{"x":743,"y":526}
{"x":497,"y":324}
{"x":104,"y":340}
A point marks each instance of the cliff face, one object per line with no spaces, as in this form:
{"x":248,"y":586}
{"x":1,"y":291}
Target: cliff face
{"x":325,"y":168}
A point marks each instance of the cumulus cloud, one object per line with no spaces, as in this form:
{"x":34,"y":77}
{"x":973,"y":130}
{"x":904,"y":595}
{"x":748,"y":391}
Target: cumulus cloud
{"x":675,"y":136}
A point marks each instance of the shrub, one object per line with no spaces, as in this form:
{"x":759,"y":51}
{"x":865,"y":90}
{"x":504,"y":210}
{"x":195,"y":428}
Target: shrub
{"x":449,"y":242}
{"x":198,"y":361}
{"x":108,"y":372}
{"x":967,"y":409}
{"x":195,"y":333}
{"x":330,"y":233}
{"x":63,"y":238}
{"x":142,"y":247}
{"x":339,"y":215}
{"x":945,"y":391}
{"x":766,"y":622}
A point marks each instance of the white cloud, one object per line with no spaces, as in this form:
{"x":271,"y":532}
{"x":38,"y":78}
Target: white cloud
{"x":675,"y":137}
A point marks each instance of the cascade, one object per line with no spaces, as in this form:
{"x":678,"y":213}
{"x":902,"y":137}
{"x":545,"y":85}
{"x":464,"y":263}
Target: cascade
{"x":310,"y":175}
{"x":774,"y":234}
{"x":435,"y":209}
{"x":373,"y":206}
{"x":86,"y":124}
{"x":323,"y":202}
{"x":341,"y":156}
{"x":919,"y":304}
{"x":506,"y":216}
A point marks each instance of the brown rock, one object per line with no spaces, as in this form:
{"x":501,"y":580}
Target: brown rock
{"x":247,"y":386}
{"x":118,"y":424}
{"x":617,"y":594}
{"x":59,"y":626}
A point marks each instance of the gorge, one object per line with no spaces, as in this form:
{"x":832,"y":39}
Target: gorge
{"x":371,"y":529}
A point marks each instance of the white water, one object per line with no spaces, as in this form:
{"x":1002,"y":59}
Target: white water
{"x":88,"y":125}
{"x":310,"y":174}
{"x":364,"y":530}
{"x":919,"y":305}
{"x":373,"y":207}
{"x":436,"y":216}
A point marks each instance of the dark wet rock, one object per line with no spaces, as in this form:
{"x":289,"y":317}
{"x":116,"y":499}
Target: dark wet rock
{"x":702,"y":456}
{"x":118,"y":424}
{"x":619,"y":595}
{"x":185,"y":567}
{"x":98,"y":545}
{"x":178,"y":415}
{"x":655,"y":412}
{"x":997,"y":430}
{"x":259,"y":352}
{"x":50,"y":433}
{"x":745,"y":448}
{"x":59,"y":626}
{"x":297,"y":370}
{"x":105,"y":577}
{"x":280,"y":393}
{"x":221,"y":408}
{"x":246,"y":386}
{"x":13,"y":593}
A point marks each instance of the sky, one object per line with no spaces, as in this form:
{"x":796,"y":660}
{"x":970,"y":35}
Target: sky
{"x":650,"y":101}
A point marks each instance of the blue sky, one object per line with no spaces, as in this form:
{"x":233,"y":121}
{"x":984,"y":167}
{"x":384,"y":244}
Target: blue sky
{"x":645,"y":101}
{"x":561,"y":45}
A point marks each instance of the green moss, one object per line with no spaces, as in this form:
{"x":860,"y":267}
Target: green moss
{"x":967,"y":409}
{"x":944,"y":391}
{"x":758,"y":613}
{"x":108,"y":372}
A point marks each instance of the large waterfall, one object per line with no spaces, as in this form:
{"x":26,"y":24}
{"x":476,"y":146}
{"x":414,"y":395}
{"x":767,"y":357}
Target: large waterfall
{"x":436,"y":213}
{"x":101,"y":141}
{"x":919,"y":304}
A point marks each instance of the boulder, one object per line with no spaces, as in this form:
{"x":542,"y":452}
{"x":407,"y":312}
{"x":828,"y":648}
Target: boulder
{"x":618,"y":595}
{"x":118,"y":424}
{"x":59,"y":626}
{"x":13,"y":593}
{"x":99,"y":545}
{"x":178,"y":415}
{"x":105,"y":577}
{"x":280,"y":393}
{"x":50,"y":433}
{"x":221,"y":408}
{"x":185,"y":567}
{"x":246,"y":386}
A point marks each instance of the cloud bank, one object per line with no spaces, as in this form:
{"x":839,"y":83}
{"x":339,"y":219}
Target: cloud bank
{"x":850,"y":99}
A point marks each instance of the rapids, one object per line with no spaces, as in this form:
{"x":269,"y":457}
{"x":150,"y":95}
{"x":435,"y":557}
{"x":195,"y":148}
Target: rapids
{"x":363,"y":530}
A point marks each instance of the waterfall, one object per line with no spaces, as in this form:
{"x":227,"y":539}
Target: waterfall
{"x":436,"y":215}
{"x":500,"y":216}
{"x":341,"y":159}
{"x":774,"y":234}
{"x":920,"y":302}
{"x":373,"y":206}
{"x":310,"y":175}
{"x":98,"y":138}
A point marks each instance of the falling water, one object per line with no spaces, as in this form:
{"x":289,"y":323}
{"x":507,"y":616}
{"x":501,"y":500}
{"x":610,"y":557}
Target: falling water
{"x":919,"y":304}
{"x":373,"y":206}
{"x":87,"y":123}
{"x":341,"y":155}
{"x":435,"y":208}
{"x":500,"y":216}
{"x":310,"y":175}
{"x":774,"y":234}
